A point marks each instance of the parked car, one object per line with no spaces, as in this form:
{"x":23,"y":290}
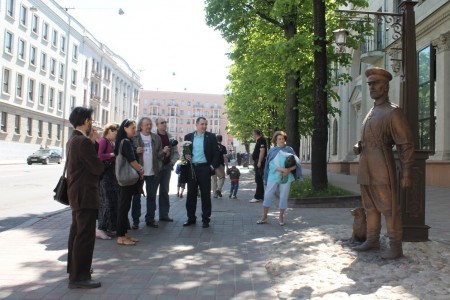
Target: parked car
{"x":45,"y":156}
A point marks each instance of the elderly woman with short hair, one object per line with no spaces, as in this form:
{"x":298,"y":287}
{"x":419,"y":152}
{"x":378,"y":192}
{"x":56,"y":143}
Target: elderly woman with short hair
{"x":277,"y":176}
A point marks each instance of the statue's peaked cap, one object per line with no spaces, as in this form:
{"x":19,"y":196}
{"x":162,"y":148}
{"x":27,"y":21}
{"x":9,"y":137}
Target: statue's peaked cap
{"x":379,"y":72}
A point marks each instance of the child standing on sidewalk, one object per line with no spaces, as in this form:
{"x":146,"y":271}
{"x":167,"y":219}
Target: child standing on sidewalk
{"x":234,"y":179}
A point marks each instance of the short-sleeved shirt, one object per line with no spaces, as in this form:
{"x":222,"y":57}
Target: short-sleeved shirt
{"x":260,"y":144}
{"x":128,"y":150}
{"x":222,"y":152}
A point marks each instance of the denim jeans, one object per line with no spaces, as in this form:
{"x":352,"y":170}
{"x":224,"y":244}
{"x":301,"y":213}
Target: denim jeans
{"x":164,"y":181}
{"x":151,"y":187}
{"x":234,"y":188}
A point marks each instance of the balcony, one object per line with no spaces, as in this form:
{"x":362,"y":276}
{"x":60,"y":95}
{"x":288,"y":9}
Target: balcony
{"x":96,"y":75}
{"x":372,"y":49}
{"x":95,"y":98}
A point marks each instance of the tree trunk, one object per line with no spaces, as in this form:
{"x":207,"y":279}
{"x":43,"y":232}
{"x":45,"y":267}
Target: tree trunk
{"x":292,"y":85}
{"x":320,"y":130}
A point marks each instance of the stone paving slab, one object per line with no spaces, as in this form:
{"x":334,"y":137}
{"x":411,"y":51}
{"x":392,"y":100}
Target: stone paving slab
{"x":233,"y":259}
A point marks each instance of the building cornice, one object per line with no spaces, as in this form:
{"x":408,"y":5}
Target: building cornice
{"x":442,"y":43}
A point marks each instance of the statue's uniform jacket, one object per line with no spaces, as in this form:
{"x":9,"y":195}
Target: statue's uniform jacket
{"x":384,"y":126}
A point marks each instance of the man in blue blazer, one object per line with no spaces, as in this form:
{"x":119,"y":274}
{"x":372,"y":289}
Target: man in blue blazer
{"x":204,"y":160}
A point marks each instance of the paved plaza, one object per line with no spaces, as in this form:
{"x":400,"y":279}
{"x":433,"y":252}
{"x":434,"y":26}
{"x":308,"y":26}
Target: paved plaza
{"x":235,"y":258}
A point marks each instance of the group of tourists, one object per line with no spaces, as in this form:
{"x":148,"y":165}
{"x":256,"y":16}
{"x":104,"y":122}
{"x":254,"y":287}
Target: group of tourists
{"x":95,"y":193}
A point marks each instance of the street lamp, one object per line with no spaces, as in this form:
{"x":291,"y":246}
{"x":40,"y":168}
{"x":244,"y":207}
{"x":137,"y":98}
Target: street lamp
{"x":340,"y":38}
{"x":412,"y":200}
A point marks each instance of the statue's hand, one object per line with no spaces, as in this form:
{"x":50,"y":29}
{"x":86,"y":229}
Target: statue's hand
{"x":357,"y":148}
{"x":406,"y":182}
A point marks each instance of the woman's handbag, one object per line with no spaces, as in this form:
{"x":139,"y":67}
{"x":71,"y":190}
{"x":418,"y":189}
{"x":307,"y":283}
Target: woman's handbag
{"x":125,"y":173}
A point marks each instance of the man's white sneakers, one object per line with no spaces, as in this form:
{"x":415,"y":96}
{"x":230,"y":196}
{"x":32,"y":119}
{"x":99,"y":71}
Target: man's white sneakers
{"x":255,"y":200}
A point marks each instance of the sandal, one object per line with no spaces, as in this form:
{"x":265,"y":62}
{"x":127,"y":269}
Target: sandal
{"x":134,"y":240}
{"x":262,"y":221}
{"x":125,"y":242}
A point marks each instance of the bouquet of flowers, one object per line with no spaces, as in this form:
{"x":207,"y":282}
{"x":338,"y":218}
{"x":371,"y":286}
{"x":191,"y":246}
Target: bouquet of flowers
{"x":187,"y":150}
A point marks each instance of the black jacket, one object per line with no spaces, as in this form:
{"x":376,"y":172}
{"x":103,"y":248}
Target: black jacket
{"x":209,"y":146}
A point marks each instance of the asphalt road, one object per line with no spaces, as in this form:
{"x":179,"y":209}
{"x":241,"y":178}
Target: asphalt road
{"x":27,"y":192}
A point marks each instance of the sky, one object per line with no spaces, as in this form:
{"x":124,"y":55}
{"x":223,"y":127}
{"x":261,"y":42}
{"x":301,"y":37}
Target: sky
{"x":166,"y":42}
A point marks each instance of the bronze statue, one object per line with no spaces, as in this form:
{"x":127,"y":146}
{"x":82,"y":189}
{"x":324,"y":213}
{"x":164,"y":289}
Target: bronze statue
{"x":384,"y":126}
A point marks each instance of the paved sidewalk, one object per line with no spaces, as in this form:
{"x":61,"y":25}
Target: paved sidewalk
{"x":233,"y":259}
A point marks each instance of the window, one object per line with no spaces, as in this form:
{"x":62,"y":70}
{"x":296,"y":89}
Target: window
{"x":35,"y":24}
{"x":31,"y":90}
{"x":23,"y":15}
{"x":9,"y":42}
{"x":49,"y":130}
{"x":335,"y":138}
{"x":61,"y":71}
{"x":74,"y":78}
{"x":33,"y":56}
{"x":73,"y":101}
{"x":86,"y":68}
{"x":59,"y":99}
{"x":6,"y":81}
{"x":43,"y":61}
{"x":63,"y":44}
{"x":41,"y":93}
{"x":10,"y":8}
{"x":17,"y":124}
{"x":58,"y":132}
{"x":51,"y":97}
{"x":29,"y":126}
{"x":54,"y":38}
{"x":45,"y":31}
{"x":40,"y":124}
{"x":21,"y":50}
{"x":19,"y":85}
{"x":427,"y":78}
{"x":52,"y":66}
{"x":3,"y":123}
{"x":75,"y":52}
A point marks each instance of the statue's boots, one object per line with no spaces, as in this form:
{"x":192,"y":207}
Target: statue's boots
{"x":372,"y":241}
{"x":373,"y":231}
{"x":394,"y":230}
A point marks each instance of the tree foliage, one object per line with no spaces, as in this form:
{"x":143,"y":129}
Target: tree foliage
{"x":273,"y":45}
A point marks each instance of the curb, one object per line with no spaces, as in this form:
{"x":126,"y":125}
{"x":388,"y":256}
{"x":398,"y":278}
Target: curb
{"x":326,"y":202}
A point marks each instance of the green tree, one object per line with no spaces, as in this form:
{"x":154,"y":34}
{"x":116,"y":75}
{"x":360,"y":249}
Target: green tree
{"x":272,"y":78}
{"x":279,"y":21}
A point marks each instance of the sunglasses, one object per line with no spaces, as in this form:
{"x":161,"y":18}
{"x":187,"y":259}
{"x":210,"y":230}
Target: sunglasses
{"x":163,"y":122}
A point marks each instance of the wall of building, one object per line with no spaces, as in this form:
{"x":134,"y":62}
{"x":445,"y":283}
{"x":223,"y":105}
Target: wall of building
{"x":432,"y":28}
{"x":39,"y":91}
{"x":182,"y":109}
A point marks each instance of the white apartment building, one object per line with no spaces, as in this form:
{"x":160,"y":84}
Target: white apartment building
{"x":433,"y":52}
{"x":50,"y":63}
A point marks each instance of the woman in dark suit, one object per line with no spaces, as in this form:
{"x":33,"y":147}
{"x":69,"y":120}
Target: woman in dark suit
{"x":123,"y":143}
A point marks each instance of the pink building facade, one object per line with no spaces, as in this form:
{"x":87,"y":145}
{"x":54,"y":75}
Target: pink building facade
{"x":182,"y":109}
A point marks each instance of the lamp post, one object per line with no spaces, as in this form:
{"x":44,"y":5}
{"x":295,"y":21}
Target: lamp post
{"x":412,"y":200}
